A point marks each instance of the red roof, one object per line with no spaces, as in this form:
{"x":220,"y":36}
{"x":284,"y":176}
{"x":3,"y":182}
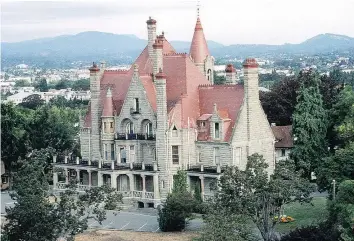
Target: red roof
{"x":230,"y":68}
{"x":283,"y":136}
{"x":228,"y":99}
{"x":199,"y":48}
{"x":250,"y":63}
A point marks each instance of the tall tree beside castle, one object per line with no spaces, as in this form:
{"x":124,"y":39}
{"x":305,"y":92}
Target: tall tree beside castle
{"x":309,"y":124}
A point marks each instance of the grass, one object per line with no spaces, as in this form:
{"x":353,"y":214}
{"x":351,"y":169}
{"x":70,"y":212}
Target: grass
{"x":304,"y":214}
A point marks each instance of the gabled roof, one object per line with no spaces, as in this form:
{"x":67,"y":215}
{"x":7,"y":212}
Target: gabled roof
{"x":199,"y":47}
{"x":283,"y":136}
{"x":228,"y":98}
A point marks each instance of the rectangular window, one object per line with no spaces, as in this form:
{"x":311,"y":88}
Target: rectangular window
{"x":112,"y":152}
{"x":175,"y":154}
{"x":105,"y":152}
{"x":136,"y":104}
{"x":132,"y":154}
{"x":104,"y":127}
{"x":111,"y":124}
{"x":216,"y":131}
{"x":237,"y":155}
{"x":216,"y":155}
{"x":282,"y":152}
{"x":123,"y":155}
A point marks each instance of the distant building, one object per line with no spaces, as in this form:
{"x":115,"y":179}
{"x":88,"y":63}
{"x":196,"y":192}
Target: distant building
{"x":283,"y":141}
{"x":18,"y":98}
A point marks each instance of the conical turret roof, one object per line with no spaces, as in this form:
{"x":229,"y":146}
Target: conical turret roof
{"x":199,"y":47}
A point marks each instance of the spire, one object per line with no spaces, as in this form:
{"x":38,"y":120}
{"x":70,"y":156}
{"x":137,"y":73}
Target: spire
{"x":108,"y":104}
{"x":199,"y":48}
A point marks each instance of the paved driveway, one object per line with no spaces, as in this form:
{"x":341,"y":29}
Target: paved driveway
{"x":135,"y":220}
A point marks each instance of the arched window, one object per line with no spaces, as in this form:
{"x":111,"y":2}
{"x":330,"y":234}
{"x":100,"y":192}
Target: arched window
{"x":148,"y":129}
{"x":209,"y":74}
{"x":129,"y":128}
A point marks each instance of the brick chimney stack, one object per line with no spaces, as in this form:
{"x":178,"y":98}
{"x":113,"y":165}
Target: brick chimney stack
{"x":158,"y":55}
{"x":230,"y":74}
{"x":151,"y":26}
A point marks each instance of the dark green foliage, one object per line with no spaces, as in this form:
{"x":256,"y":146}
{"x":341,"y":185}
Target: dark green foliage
{"x":219,"y":80}
{"x":175,"y":212}
{"x":341,"y":210}
{"x":309,"y":125}
{"x":198,"y":194}
{"x":323,"y":232}
{"x":62,"y":84}
{"x":35,"y":218}
{"x":339,"y":167}
{"x":81,"y":84}
{"x":178,"y":207}
{"x":250,"y":193}
{"x":32,"y":102}
{"x":22,"y":83}
{"x":222,"y":225}
{"x":42,"y":85}
{"x":61,"y":101}
{"x":279,"y":103}
{"x":14,"y":138}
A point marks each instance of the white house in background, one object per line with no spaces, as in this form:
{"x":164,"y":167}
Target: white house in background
{"x":283,"y":141}
{"x":18,"y":98}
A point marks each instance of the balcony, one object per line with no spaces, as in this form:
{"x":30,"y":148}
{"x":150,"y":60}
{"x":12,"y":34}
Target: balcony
{"x":206,"y":169}
{"x":134,"y":136}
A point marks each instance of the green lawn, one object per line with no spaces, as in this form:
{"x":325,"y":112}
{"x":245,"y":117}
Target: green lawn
{"x":304,"y":214}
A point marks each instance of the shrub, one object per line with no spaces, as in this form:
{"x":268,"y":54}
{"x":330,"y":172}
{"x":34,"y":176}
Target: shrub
{"x":173,"y":215}
{"x":322,"y":232}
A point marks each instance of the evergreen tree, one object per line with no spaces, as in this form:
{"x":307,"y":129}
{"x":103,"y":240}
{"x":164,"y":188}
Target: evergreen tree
{"x":309,"y":124}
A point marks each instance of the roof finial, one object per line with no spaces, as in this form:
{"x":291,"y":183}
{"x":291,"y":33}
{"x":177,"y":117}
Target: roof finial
{"x":198,"y":8}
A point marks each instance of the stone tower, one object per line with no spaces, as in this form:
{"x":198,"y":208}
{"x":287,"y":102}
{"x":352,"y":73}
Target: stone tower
{"x":161,"y":135}
{"x":230,"y":74}
{"x":158,"y":55}
{"x":199,"y":53}
{"x":95,"y":112}
{"x":151,"y":26}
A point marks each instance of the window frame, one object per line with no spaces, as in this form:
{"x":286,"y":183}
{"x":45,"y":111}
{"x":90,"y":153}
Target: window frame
{"x":175,"y":156}
{"x":216,"y":155}
{"x":217,"y":130}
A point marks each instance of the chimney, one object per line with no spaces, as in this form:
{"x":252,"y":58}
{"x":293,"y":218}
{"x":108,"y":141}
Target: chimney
{"x":95,"y":112}
{"x":230,"y":74}
{"x":158,"y":55}
{"x":250,"y":71}
{"x":151,"y":26}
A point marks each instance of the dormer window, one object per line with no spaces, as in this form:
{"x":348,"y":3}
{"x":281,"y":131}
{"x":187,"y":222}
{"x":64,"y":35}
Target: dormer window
{"x":217,"y":130}
{"x":174,"y":132}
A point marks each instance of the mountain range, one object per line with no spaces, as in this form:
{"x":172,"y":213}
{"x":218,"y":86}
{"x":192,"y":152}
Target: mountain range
{"x":87,"y":46}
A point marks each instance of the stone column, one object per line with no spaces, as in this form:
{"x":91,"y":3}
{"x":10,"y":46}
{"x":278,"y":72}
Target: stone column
{"x":55,"y":180}
{"x":131,"y":182}
{"x":66,"y":176}
{"x":66,"y":159}
{"x":77,"y":160}
{"x":156,"y":187}
{"x":89,"y":178}
{"x":99,"y":179}
{"x":144,"y":188}
{"x":189,"y":183}
{"x":202,"y":186}
{"x":114,"y":181}
{"x":78,"y":176}
{"x":54,"y":159}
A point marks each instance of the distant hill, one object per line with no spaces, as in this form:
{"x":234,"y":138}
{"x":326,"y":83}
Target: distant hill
{"x":117,"y":48}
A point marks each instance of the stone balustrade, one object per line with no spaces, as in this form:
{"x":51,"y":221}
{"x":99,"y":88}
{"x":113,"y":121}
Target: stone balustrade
{"x":149,"y":195}
{"x":138,"y":194}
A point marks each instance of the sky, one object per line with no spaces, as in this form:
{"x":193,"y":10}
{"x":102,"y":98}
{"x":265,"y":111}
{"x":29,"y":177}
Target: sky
{"x":224,"y":21}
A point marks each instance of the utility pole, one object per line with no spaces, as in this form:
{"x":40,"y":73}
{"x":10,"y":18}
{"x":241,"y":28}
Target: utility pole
{"x":334,"y":189}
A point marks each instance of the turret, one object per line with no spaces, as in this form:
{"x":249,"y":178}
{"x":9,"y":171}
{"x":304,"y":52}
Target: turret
{"x":199,"y":53}
{"x":151,"y":26}
{"x":230,"y":74}
{"x":95,"y":112}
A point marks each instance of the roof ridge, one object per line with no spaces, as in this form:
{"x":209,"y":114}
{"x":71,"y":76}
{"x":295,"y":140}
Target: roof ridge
{"x":176,"y":54}
{"x":118,"y":71}
{"x":218,"y":86}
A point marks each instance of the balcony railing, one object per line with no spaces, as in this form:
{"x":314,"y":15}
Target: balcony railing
{"x":206,"y":169}
{"x":134,"y":136}
{"x":138,"y":194}
{"x":137,"y":166}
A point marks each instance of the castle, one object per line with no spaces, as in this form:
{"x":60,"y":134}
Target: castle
{"x":165,"y":114}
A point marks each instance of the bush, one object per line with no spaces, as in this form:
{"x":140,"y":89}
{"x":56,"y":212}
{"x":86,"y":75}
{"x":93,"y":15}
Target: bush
{"x":173,"y":215}
{"x":322,"y":232}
